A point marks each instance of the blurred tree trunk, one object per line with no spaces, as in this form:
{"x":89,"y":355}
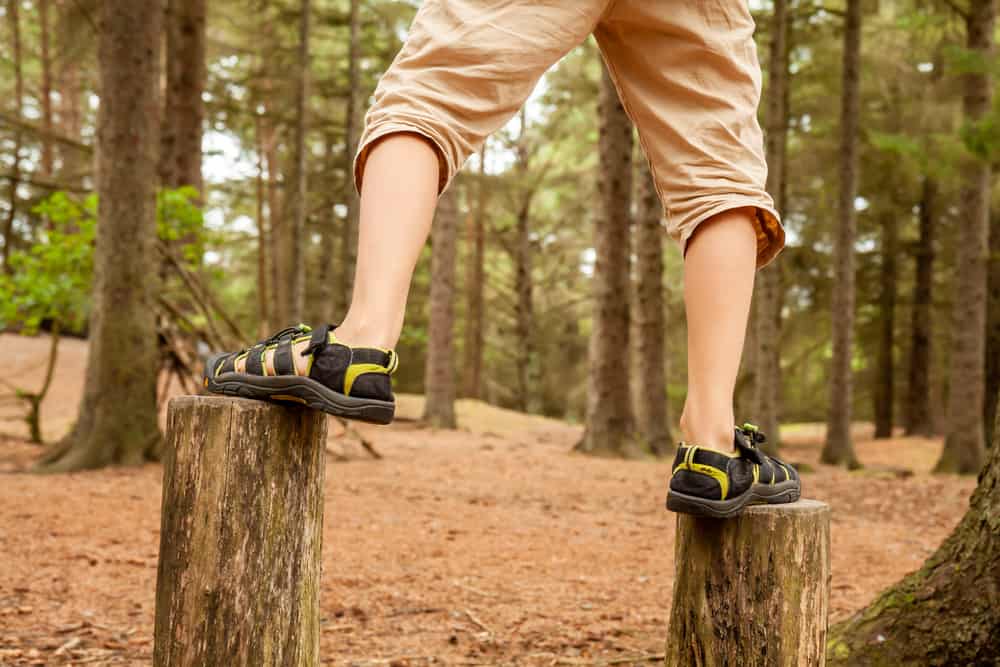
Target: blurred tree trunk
{"x":992,"y":386}
{"x":964,"y":446}
{"x":528,"y":381}
{"x":886,"y":368}
{"x":296,"y":269}
{"x":475,"y":279}
{"x":263,"y":240}
{"x":839,"y":448}
{"x":14,"y":19}
{"x":46,"y":166}
{"x":74,"y":163}
{"x":609,"y":425}
{"x":117,"y":422}
{"x":331,"y":295}
{"x":184,"y":110}
{"x":767,"y":378}
{"x":439,"y":373}
{"x":652,"y":417}
{"x":277,"y":228}
{"x":352,"y":134}
{"x":919,"y":418}
{"x":948,"y":611}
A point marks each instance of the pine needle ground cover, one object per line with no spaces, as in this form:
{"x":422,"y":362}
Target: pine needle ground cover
{"x":500,"y":547}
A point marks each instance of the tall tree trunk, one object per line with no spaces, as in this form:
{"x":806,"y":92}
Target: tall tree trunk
{"x":919,"y":419}
{"x":609,"y":426}
{"x":652,"y":417}
{"x":439,"y":373}
{"x":296,"y":270}
{"x":528,"y":371}
{"x":277,"y":228}
{"x":886,"y":369}
{"x":331,"y":295}
{"x":184,"y":110}
{"x":947,"y":612}
{"x":475,"y":279}
{"x":964,"y":445}
{"x":839,"y":448}
{"x":13,"y":17}
{"x":767,"y":377}
{"x":992,"y":386}
{"x":263,"y":240}
{"x":352,"y":134}
{"x":73,"y":163}
{"x":46,"y":57}
{"x":117,"y":423}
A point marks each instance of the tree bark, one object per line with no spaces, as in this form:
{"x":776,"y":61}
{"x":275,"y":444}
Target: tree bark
{"x":885,"y":393}
{"x":117,"y":422}
{"x":919,"y":419}
{"x":331,"y":306}
{"x":296,"y":270}
{"x":14,"y":19}
{"x":652,"y":417}
{"x":475,"y":281}
{"x":964,"y":446}
{"x":992,"y":386}
{"x":947,"y":612}
{"x":263,"y":240}
{"x":752,"y":591}
{"x":839,"y":448}
{"x":767,"y":378}
{"x":439,"y":373}
{"x":73,"y":163}
{"x":609,"y":424}
{"x":352,"y":132}
{"x":241,"y":534}
{"x":184,"y":110}
{"x":46,"y":92}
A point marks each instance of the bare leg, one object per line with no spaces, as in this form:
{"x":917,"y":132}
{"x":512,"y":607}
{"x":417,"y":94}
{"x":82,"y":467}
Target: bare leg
{"x":719,"y":269}
{"x":398,"y":197}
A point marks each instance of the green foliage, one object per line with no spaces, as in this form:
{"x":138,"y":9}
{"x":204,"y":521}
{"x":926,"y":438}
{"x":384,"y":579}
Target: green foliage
{"x":51,"y":280}
{"x":179,"y":218}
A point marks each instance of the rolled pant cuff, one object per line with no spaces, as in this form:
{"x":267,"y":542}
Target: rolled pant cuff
{"x":378,"y":131}
{"x":766,"y":222}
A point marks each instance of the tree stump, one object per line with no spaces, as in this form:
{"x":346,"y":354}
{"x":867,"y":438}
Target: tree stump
{"x":754,"y":590}
{"x":241,"y":534}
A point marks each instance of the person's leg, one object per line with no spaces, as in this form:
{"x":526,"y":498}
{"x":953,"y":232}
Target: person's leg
{"x":398,"y":197}
{"x":438,"y":102}
{"x":689,"y":79}
{"x":719,"y":271}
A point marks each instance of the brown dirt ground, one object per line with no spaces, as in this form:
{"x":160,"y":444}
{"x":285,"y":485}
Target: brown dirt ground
{"x":490,"y":545}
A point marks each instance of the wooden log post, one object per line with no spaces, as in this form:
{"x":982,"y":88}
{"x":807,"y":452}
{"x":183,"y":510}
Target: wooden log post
{"x":752,"y":591}
{"x":241,"y":535}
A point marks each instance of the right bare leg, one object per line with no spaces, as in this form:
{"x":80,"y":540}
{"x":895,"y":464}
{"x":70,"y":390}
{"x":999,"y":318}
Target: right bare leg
{"x":398,"y":196}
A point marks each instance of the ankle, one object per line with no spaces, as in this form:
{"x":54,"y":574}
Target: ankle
{"x":354,"y":334}
{"x":711,"y":433}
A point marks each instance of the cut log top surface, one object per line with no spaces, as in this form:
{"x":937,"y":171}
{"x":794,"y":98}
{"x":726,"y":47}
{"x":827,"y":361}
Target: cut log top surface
{"x":182,"y":402}
{"x":803,"y":506}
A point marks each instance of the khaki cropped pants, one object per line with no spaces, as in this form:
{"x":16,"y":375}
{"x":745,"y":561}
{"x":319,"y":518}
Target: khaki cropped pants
{"x":686,"y":71}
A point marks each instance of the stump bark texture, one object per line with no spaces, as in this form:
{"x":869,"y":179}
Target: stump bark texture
{"x":752,"y":591}
{"x":241,"y":534}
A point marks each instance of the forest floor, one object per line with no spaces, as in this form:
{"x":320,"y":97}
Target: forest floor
{"x":489,"y":545}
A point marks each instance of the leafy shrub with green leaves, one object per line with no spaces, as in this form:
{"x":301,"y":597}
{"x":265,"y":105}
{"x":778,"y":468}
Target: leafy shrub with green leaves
{"x":51,"y":280}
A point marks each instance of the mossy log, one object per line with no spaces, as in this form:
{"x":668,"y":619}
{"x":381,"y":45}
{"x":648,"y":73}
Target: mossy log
{"x":241,"y":535}
{"x":752,"y":591}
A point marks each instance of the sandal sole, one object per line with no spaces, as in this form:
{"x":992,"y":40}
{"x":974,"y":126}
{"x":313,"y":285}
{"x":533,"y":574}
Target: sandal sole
{"x":304,"y":391}
{"x":758,"y":494}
